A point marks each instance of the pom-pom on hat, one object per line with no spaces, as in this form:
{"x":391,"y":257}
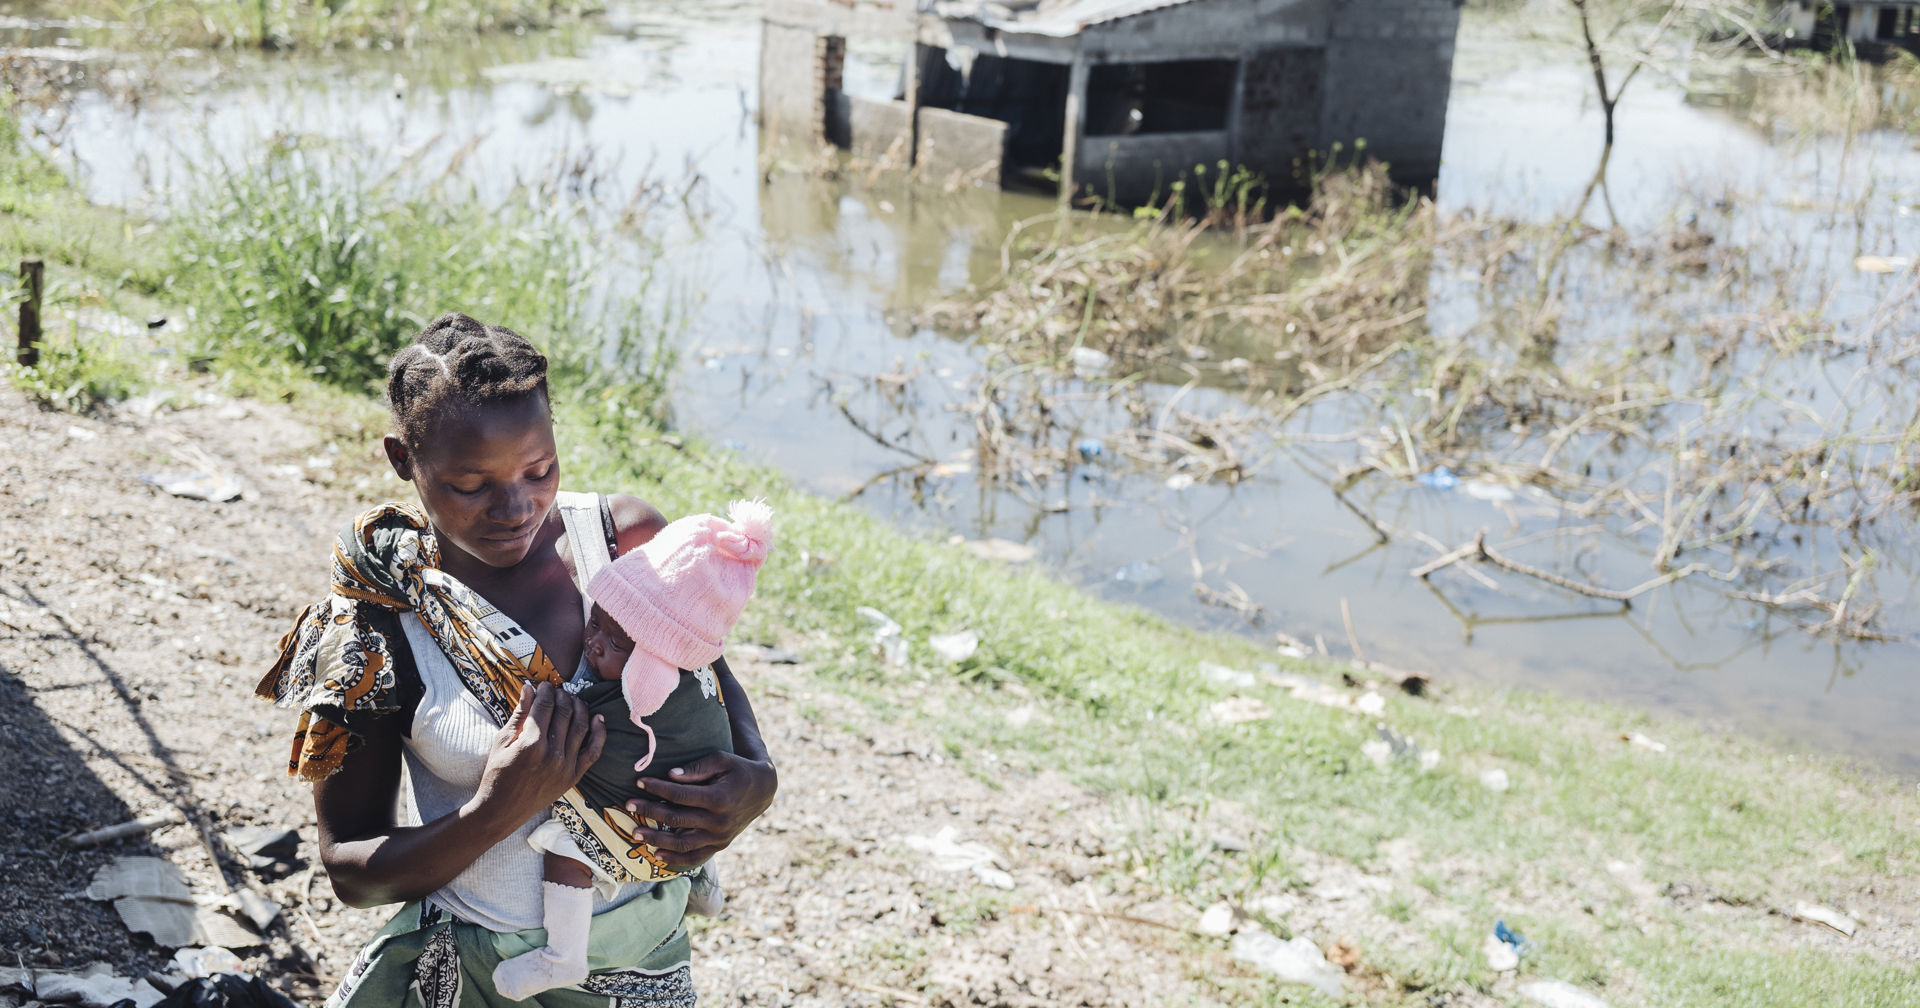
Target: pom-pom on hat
{"x":679,"y":595}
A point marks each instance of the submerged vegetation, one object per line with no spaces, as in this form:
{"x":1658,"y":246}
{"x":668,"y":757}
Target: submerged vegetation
{"x":1680,"y":393}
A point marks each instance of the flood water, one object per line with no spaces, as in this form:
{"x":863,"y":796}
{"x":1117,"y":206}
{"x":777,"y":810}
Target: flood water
{"x":801,"y":288}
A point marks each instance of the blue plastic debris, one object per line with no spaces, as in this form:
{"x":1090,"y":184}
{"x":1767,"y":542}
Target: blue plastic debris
{"x":1090,"y":449}
{"x":1514,"y":938}
{"x":1441,"y":478}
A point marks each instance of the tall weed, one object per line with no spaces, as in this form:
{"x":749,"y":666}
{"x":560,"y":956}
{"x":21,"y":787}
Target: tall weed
{"x":310,"y":260}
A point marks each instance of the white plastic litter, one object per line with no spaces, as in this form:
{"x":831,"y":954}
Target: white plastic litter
{"x":1501,"y":957}
{"x":955,"y":648}
{"x":1495,"y":779}
{"x":947,"y":852}
{"x":886,"y":636}
{"x":1298,"y":961}
{"x":1090,"y":363}
{"x":205,"y":962}
{"x":1816,"y":914}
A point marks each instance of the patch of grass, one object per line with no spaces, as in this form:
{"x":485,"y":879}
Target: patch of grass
{"x":309,"y":263}
{"x":282,"y":24}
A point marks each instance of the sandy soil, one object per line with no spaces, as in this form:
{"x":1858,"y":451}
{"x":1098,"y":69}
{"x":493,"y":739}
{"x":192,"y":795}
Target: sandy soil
{"x":134,"y":623}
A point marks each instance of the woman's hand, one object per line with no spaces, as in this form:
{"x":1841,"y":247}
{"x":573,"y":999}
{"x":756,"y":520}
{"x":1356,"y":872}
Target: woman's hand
{"x":704,"y":805}
{"x":542,"y":751}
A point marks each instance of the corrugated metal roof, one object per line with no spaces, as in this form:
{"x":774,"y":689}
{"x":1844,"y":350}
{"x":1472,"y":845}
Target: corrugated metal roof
{"x":1055,"y":18}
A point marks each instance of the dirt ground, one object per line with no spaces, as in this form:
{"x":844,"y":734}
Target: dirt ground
{"x":134,"y":623}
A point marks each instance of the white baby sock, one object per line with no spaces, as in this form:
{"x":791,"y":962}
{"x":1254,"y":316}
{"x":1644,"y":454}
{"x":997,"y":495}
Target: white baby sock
{"x":567,"y":914}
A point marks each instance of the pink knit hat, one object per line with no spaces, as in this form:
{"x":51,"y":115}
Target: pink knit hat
{"x":678,"y":595}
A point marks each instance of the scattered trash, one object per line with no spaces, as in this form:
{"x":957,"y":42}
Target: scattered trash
{"x":1370,"y":703}
{"x":886,"y":636}
{"x":1882,"y":264}
{"x":1378,"y":751}
{"x":225,"y":990}
{"x":197,"y":486}
{"x":1344,"y":952}
{"x":81,"y":434}
{"x":1179,"y":481}
{"x":97,"y":985}
{"x":1003,"y":550}
{"x":955,"y":648}
{"x":1089,"y":449}
{"x":1236,"y":365}
{"x":1501,"y":957}
{"x":948,"y":470}
{"x":773,"y":655}
{"x":1635,"y":738}
{"x":137,"y":827}
{"x":948,"y":853}
{"x":1298,"y":961}
{"x":1559,"y":994}
{"x":1140,"y":573}
{"x":1021,"y":716}
{"x":1240,"y":710}
{"x":1221,"y":920}
{"x":1391,"y":745}
{"x":1514,"y":939}
{"x":1090,"y":363}
{"x":1225,"y":676}
{"x":1495,"y":779}
{"x":1814,"y":913}
{"x":151,"y":896}
{"x":1441,"y":478}
{"x":205,"y":962}
{"x":156,"y":321}
{"x":271,"y":850}
{"x":1493,"y":492}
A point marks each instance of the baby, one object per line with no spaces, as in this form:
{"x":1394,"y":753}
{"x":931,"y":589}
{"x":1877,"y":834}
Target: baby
{"x":658,"y":610}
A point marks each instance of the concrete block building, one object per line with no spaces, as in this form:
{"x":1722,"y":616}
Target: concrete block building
{"x":1118,"y":98}
{"x":1868,"y":26}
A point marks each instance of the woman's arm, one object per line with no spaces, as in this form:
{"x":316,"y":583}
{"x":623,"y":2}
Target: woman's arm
{"x":542,"y":751}
{"x":706,"y":804}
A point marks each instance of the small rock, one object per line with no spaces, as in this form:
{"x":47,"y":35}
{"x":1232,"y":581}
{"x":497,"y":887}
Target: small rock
{"x":1217,"y":920}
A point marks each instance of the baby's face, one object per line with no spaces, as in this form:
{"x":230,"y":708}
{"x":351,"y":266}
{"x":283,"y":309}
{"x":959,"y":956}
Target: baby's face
{"x":607,"y":645}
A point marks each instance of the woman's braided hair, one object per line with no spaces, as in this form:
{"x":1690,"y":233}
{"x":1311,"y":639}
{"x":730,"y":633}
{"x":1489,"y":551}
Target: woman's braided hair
{"x":457,"y":362}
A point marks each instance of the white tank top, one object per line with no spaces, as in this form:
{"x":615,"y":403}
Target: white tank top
{"x":452,"y":734}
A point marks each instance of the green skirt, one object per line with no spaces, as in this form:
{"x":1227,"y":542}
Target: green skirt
{"x":636,"y":952}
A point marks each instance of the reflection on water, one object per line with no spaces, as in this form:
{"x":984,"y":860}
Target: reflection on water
{"x":809,"y":286}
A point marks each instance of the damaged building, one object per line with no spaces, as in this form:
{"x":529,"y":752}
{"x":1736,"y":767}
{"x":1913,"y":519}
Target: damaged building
{"x":1118,"y":97}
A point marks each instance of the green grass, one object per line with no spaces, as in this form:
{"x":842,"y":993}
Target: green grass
{"x":281,"y":24}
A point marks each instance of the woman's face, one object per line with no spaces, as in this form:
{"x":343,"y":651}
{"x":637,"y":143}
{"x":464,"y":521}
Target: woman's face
{"x":486,"y":477}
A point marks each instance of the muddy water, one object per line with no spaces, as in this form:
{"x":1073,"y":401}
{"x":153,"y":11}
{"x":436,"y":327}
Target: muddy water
{"x":802,"y":289}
